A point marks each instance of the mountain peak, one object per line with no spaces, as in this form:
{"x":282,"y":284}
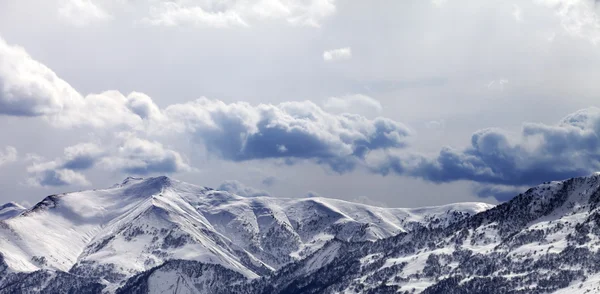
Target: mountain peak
{"x":11,"y":205}
{"x":10,"y":209}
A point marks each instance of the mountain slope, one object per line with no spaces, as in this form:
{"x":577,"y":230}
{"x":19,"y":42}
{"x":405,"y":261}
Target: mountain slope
{"x":10,"y":210}
{"x":543,"y":241}
{"x":105,"y":237}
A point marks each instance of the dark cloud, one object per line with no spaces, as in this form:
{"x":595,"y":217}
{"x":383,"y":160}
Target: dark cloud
{"x":570,"y":148}
{"x":291,"y":130}
{"x":238,"y":188}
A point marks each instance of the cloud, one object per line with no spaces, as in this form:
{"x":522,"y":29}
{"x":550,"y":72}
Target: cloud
{"x":131,"y":156}
{"x":337,"y":54}
{"x":312,"y":194}
{"x":269,"y":181}
{"x":235,"y":131}
{"x":499,"y":192}
{"x":517,"y":13}
{"x":174,"y":14}
{"x":290,"y":130}
{"x":368,"y":201}
{"x":199,"y":13}
{"x":29,"y":88}
{"x":236,"y":187}
{"x":82,"y":156}
{"x":358,"y":103}
{"x":541,"y":153}
{"x":9,"y":155}
{"x":142,"y":157}
{"x":81,"y":12}
{"x":578,"y":18}
{"x":51,"y":173}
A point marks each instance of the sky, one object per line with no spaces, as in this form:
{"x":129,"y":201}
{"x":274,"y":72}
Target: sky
{"x":390,"y":103}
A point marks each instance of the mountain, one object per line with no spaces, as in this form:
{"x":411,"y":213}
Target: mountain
{"x":158,"y":234}
{"x":10,"y":209}
{"x":545,"y":240}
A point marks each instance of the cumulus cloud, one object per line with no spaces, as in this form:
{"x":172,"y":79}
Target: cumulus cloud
{"x":81,"y":12}
{"x":541,"y":153}
{"x":131,"y":156}
{"x":82,"y":156}
{"x":358,"y":103}
{"x":337,"y":54}
{"x":8,"y":155}
{"x":293,"y":130}
{"x":238,"y":188}
{"x":29,"y":88}
{"x":52,"y":173}
{"x":143,"y":157}
{"x":235,"y":131}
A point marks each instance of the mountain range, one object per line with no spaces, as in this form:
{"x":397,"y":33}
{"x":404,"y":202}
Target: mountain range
{"x":160,"y":235}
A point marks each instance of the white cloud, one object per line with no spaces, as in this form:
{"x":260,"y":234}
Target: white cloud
{"x":236,"y":131}
{"x":131,"y":155}
{"x":337,"y":54}
{"x":8,"y":155}
{"x":240,"y":13}
{"x":358,"y":103}
{"x":142,"y":157}
{"x":174,"y":14}
{"x":52,"y":174}
{"x":29,"y":88}
{"x":517,"y":13}
{"x":578,"y":17}
{"x":81,"y":12}
{"x":238,"y":188}
{"x":439,"y":3}
{"x":201,"y":13}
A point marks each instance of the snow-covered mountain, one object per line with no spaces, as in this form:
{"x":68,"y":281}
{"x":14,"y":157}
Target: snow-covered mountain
{"x":158,"y":235}
{"x":10,"y":209}
{"x":154,"y":234}
{"x":545,"y":240}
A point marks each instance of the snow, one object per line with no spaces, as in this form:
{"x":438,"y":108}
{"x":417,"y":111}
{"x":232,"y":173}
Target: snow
{"x":10,"y":210}
{"x":141,"y":223}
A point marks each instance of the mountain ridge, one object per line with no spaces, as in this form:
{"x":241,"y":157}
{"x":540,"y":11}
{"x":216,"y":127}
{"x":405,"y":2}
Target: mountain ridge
{"x":159,"y":234}
{"x":111,"y":235}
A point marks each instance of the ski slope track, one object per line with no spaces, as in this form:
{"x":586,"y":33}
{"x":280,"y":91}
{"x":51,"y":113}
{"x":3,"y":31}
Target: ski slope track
{"x":159,"y":235}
